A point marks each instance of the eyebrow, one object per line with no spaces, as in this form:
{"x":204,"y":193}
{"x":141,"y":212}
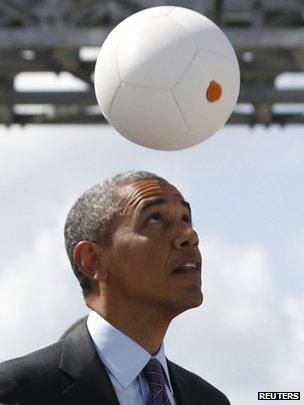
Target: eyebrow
{"x":160,"y":201}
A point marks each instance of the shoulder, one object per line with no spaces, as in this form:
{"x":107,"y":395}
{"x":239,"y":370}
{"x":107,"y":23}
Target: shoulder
{"x":9,"y":390}
{"x":37,"y":361}
{"x":33,"y":368}
{"x":197,"y":386}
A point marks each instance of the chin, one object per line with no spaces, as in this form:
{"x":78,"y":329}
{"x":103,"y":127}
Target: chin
{"x":188,"y":302}
{"x":195,"y":300}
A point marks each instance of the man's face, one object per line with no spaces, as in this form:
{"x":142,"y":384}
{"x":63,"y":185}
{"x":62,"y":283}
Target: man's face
{"x":154,"y":256}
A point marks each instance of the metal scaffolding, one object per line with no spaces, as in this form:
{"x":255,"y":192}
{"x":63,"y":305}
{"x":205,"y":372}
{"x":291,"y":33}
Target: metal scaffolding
{"x":52,"y":36}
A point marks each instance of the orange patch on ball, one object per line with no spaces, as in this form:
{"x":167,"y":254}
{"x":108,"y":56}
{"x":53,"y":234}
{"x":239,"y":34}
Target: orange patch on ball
{"x":214,"y":91}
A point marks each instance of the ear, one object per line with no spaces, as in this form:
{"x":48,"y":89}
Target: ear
{"x":87,"y":256}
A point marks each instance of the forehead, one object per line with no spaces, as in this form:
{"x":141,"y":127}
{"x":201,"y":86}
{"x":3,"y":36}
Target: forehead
{"x":135,"y":193}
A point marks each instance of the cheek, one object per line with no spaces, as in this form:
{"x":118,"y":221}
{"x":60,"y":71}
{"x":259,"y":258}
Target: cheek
{"x":128,"y":256}
{"x":130,"y":248}
{"x":136,"y":258}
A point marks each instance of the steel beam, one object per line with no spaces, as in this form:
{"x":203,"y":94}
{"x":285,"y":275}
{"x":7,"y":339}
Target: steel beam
{"x":70,"y":37}
{"x":266,"y":94}
{"x":235,"y":118}
{"x":59,"y":119}
{"x":51,"y":37}
{"x":83,"y":98}
{"x":51,"y":97}
{"x":16,"y":65}
{"x":266,"y":38}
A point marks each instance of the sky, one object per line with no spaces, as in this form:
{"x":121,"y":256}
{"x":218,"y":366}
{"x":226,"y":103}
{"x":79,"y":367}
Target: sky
{"x":245,"y":187}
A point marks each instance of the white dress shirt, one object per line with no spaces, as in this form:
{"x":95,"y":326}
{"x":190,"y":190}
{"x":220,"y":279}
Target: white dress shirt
{"x":124,"y":360}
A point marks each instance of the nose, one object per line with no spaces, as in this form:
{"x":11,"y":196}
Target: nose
{"x":186,"y":238}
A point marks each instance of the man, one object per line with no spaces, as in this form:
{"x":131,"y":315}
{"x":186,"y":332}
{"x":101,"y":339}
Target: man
{"x":133,"y":249}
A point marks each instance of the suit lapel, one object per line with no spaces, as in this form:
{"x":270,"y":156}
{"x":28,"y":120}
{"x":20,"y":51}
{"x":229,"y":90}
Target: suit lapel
{"x":92,"y":387}
{"x":182,"y":392}
{"x":85,"y":379}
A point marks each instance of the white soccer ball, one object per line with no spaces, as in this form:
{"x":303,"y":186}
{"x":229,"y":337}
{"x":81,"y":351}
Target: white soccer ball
{"x":167,"y":78}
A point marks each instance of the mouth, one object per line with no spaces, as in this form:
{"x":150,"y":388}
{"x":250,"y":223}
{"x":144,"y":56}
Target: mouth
{"x":189,"y":267}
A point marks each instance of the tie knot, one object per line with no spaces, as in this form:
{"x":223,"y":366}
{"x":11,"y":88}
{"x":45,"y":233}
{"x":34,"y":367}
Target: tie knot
{"x":154,"y":374}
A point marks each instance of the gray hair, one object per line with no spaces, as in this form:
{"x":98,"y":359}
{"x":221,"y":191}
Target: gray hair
{"x":92,"y":215}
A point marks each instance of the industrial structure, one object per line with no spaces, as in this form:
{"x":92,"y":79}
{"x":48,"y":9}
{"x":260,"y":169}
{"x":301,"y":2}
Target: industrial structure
{"x":54,"y":36}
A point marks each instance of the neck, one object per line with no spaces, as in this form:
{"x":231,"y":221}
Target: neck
{"x":143,"y":323}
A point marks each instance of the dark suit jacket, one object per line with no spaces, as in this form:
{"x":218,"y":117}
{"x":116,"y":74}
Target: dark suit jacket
{"x":70,"y":373}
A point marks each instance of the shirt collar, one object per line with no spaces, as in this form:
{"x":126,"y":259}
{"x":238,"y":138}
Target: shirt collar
{"x":123,"y":357}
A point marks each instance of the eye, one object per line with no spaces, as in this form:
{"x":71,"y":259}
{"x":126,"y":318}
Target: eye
{"x":186,"y":218}
{"x":154,"y":217}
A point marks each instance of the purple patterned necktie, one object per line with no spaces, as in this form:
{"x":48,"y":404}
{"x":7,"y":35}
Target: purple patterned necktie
{"x":155,"y":376}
